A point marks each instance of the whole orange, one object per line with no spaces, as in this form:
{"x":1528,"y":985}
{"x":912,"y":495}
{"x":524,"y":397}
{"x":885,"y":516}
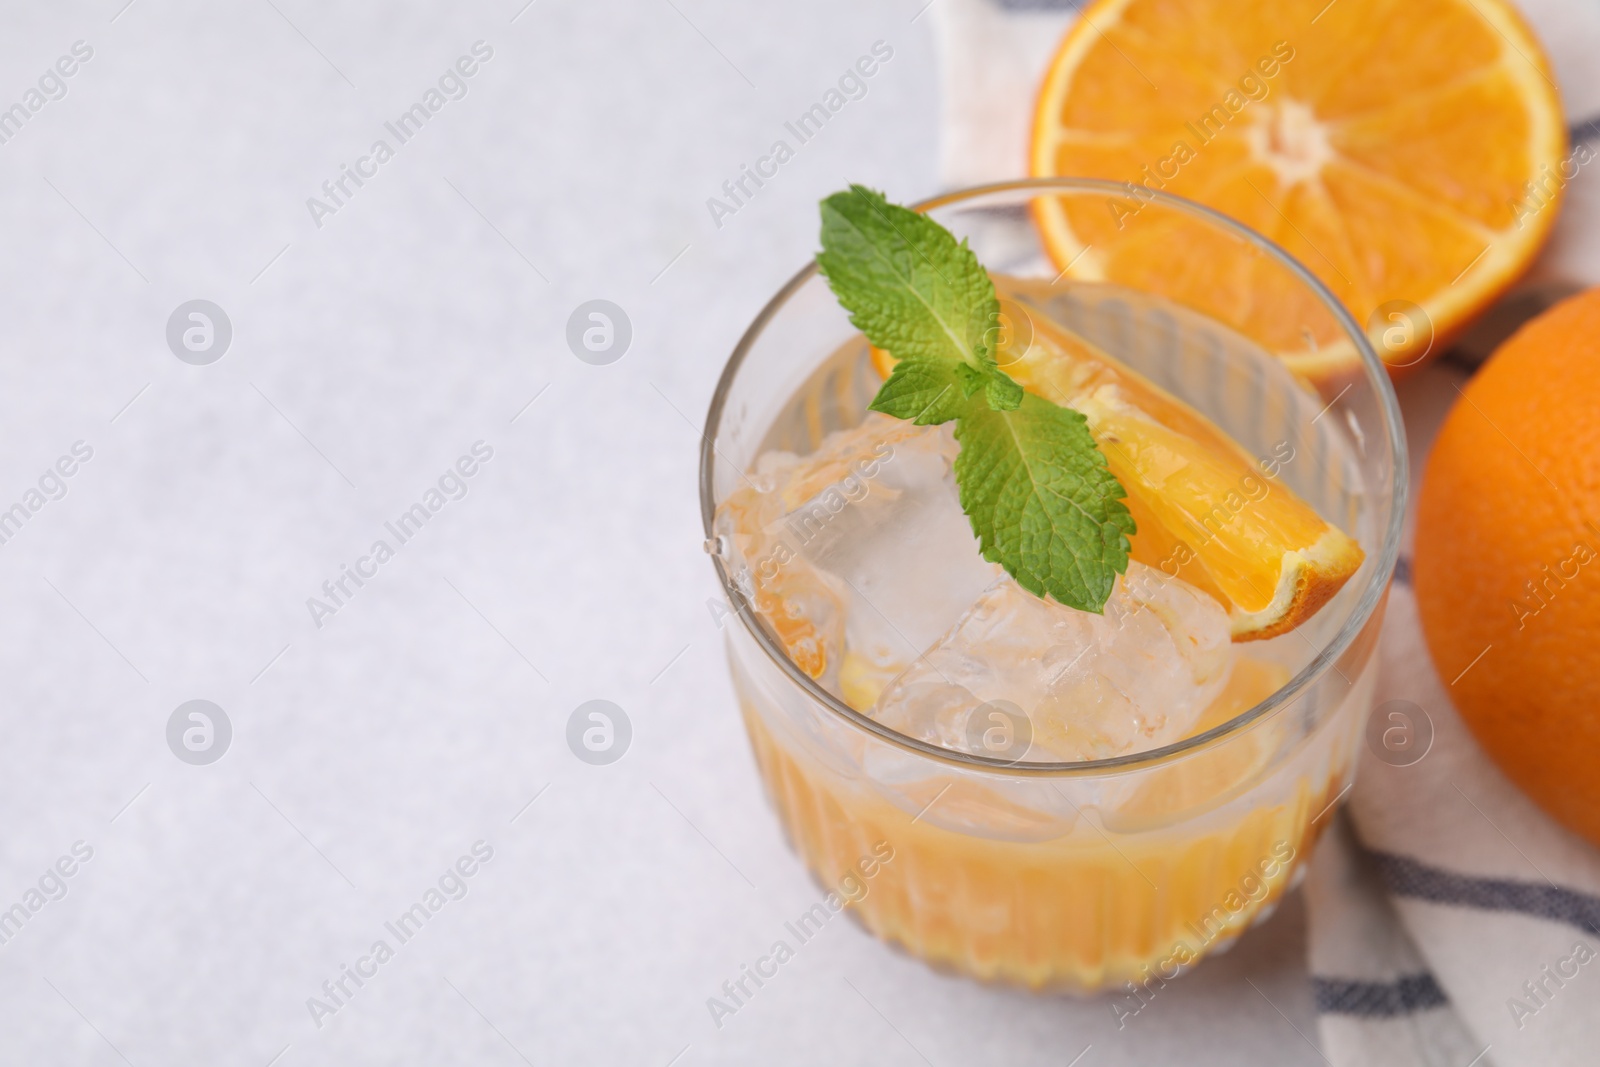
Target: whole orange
{"x":1507,"y":561}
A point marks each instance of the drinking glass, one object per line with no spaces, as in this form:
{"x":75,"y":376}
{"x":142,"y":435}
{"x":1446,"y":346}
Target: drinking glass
{"x":1080,"y":875}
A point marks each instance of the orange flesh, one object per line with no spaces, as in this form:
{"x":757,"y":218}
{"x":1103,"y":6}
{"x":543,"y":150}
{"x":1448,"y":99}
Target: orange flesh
{"x":1388,"y":145}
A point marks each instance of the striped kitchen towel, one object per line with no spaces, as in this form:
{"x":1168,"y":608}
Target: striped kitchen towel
{"x":1452,"y":924}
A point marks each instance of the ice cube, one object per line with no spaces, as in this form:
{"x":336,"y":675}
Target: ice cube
{"x":892,"y":531}
{"x":1024,"y":678}
{"x":874,"y":517}
{"x":803,"y":607}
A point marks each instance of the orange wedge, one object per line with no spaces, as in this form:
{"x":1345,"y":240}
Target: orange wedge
{"x":1410,"y":153}
{"x":1205,"y":510}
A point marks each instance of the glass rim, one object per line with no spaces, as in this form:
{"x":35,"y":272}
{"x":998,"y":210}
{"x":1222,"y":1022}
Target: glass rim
{"x":1371,"y":595}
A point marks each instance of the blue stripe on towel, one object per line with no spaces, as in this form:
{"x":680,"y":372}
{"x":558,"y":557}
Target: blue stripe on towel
{"x":1407,"y":877}
{"x":1378,"y":1000}
{"x":1584,"y":131}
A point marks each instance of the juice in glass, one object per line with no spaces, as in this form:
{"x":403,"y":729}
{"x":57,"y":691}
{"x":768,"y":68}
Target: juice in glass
{"x":1159,"y":787}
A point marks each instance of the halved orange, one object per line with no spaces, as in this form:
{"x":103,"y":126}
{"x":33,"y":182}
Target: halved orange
{"x":1410,"y":153}
{"x":1205,"y":511}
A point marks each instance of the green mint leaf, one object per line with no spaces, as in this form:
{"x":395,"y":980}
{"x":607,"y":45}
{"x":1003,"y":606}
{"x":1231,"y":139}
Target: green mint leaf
{"x":972,"y":379}
{"x":1002,"y":393}
{"x":908,"y":284}
{"x":923,"y":391}
{"x":1040,"y":497}
{"x":1042,"y":501}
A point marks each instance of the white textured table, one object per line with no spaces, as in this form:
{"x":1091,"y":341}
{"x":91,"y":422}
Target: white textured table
{"x":369,"y":753}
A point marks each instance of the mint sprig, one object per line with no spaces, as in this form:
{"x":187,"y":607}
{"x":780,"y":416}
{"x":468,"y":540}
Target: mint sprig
{"x":1035,"y":486}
